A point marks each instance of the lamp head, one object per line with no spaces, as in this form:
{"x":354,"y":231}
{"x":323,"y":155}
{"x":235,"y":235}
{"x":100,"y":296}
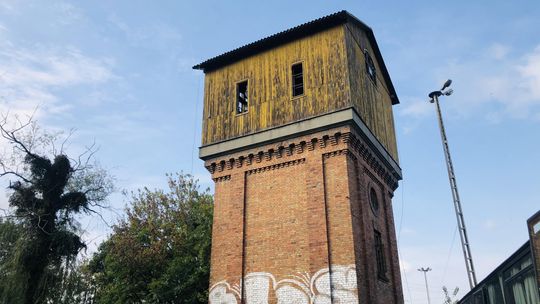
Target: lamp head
{"x":447,"y":84}
{"x":435,"y":94}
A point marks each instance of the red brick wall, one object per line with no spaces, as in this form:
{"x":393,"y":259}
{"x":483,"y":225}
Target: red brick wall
{"x":293,"y":216}
{"x":535,"y":244}
{"x":276,"y":220}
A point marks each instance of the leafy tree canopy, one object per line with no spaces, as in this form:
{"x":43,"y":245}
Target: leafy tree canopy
{"x":160,"y":253}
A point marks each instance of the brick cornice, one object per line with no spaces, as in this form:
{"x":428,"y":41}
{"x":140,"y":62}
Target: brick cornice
{"x":327,"y":143}
{"x":277,"y":166}
{"x":221,"y":178}
{"x":272,"y":152}
{"x":360,"y":147}
{"x":336,"y":153}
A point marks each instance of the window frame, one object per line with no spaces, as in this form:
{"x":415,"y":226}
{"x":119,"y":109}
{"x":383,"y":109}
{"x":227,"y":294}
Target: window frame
{"x":236,"y":96}
{"x":370,"y":64}
{"x":374,"y":209}
{"x":523,"y":267}
{"x":380,"y":256}
{"x":301,"y":63}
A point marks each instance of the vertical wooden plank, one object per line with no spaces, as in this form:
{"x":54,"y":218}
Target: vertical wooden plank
{"x":334,"y":78}
{"x":371,"y":101}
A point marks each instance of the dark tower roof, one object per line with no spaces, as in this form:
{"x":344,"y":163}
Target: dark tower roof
{"x":296,"y":33}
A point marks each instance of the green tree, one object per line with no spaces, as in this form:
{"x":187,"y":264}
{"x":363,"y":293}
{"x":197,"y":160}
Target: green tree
{"x":74,"y":285}
{"x":160,"y":253}
{"x":49,"y":191}
{"x":10,"y":232}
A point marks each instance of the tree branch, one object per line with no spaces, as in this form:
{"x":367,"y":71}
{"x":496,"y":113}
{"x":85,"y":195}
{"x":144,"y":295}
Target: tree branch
{"x":16,"y":174}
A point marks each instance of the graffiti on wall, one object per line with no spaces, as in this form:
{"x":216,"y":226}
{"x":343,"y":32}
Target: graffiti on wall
{"x":301,"y":288}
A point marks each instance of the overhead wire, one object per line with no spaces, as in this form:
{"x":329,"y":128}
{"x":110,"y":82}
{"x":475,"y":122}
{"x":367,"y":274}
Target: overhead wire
{"x":398,"y":239}
{"x":449,"y":255}
{"x":195,"y":125}
{"x":400,"y":226}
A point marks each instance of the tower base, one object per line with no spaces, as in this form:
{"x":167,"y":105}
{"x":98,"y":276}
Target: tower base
{"x":295,"y":221}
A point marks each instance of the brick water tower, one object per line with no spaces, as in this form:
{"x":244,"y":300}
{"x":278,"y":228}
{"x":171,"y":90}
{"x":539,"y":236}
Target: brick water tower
{"x":299,"y":137}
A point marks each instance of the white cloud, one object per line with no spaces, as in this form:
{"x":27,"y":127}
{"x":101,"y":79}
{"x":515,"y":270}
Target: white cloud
{"x":489,"y":224}
{"x":153,"y":36}
{"x":498,"y":51}
{"x":530,"y":72}
{"x":32,"y":77}
{"x":7,"y":5}
{"x":416,"y":107}
{"x":51,"y":67}
{"x":68,"y":12}
{"x":491,"y":85}
{"x":513,"y":84}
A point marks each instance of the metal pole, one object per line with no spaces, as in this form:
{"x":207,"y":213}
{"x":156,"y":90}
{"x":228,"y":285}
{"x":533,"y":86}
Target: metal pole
{"x":457,"y":204}
{"x":425,"y":270}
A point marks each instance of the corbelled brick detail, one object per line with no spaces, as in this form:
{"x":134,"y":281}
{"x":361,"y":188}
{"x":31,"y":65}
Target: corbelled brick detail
{"x":268,"y":153}
{"x":294,"y":216}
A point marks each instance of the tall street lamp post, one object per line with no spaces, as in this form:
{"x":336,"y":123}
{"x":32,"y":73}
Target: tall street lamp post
{"x":425,"y":270}
{"x":453,"y":185}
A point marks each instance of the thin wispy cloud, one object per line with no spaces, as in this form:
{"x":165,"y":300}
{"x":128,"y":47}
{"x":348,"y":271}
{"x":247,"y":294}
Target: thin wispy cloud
{"x":498,"y":51}
{"x":512,"y":83}
{"x":7,"y":6}
{"x":416,"y":107}
{"x":69,"y":12}
{"x":489,"y":224}
{"x":35,"y":76}
{"x":154,"y":36}
{"x":491,"y":84}
{"x":32,"y":77}
{"x":530,"y":72}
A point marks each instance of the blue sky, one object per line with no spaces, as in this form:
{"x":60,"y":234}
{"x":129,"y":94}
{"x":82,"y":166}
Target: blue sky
{"x":120,"y":73}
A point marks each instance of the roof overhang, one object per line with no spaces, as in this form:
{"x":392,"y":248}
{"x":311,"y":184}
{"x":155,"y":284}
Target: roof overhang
{"x":342,"y":117}
{"x":296,"y":33}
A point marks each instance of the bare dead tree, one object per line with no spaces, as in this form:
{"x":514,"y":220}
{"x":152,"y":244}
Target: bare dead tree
{"x":48,"y":189}
{"x":24,"y":138}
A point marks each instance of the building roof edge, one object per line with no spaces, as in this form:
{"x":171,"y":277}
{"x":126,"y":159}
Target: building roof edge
{"x":295,"y":33}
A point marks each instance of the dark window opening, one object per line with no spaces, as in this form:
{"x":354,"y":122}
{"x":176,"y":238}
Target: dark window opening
{"x":379,"y":254}
{"x":370,"y":67}
{"x":373,"y":200}
{"x":493,"y":293}
{"x":241,"y":97}
{"x":536,"y":227}
{"x":519,"y":282}
{"x":297,"y":80}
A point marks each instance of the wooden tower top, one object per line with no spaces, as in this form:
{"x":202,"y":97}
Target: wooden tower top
{"x":319,"y":74}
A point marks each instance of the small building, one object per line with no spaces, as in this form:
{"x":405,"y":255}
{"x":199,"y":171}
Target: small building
{"x":517,"y":279}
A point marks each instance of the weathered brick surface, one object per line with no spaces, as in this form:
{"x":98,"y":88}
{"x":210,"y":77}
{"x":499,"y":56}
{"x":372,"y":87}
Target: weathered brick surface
{"x":534,"y":237}
{"x":276,"y":220}
{"x":226,"y":259}
{"x":287,"y":212}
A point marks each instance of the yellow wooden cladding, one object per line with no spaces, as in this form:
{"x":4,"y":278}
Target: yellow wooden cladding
{"x":371,"y":100}
{"x":334,"y":78}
